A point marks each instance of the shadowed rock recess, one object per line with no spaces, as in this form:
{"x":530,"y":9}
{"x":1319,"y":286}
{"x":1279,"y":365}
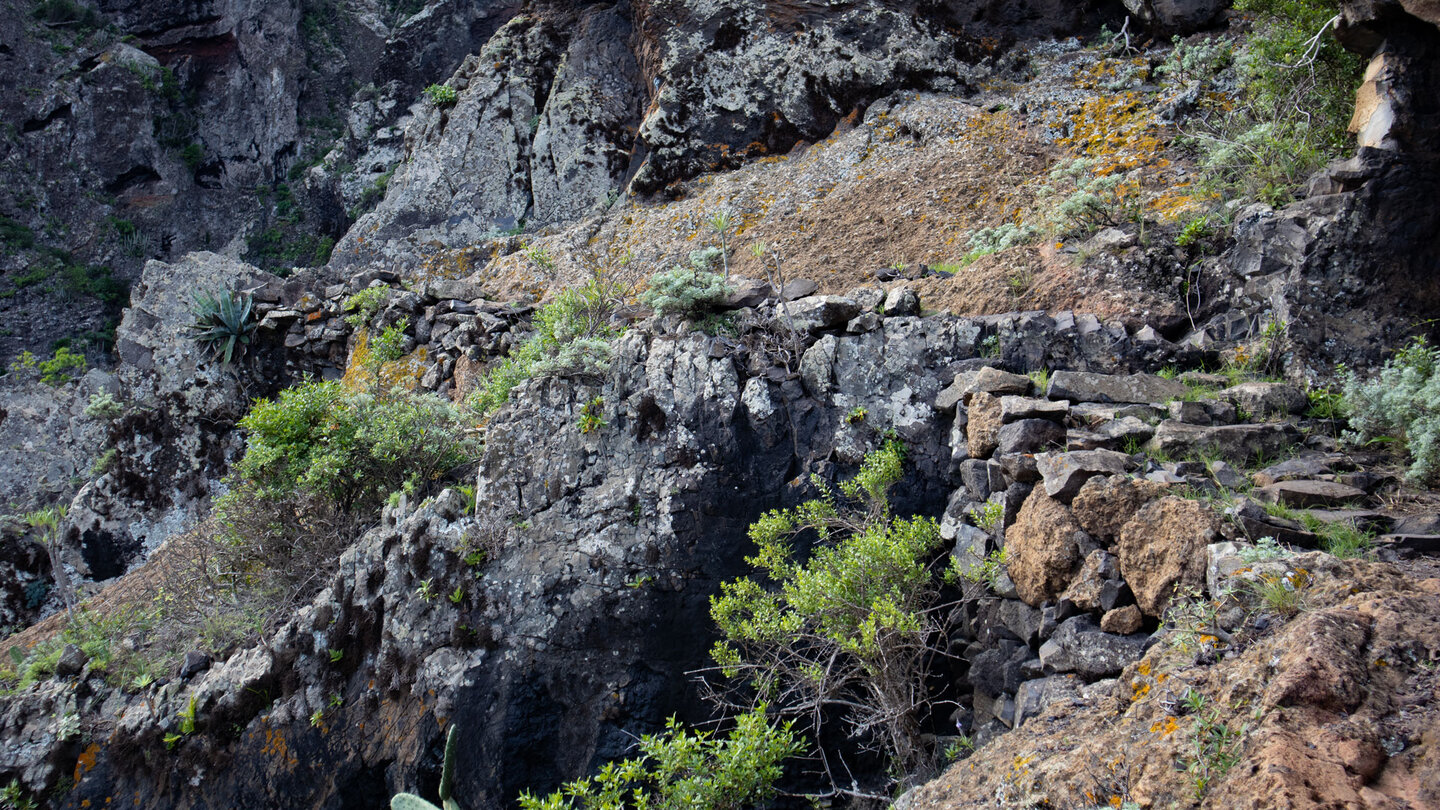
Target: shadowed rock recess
{"x":1177,"y":566}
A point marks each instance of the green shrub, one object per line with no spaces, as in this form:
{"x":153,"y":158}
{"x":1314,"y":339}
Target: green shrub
{"x":993,"y":240}
{"x":844,"y":634}
{"x":572,"y":338}
{"x":364,"y":304}
{"x":691,"y":770}
{"x":352,"y":449}
{"x":1201,"y":60}
{"x":223,"y":326}
{"x":1086,"y":202}
{"x":441,"y":95}
{"x":1297,"y":98}
{"x":1403,"y":402}
{"x":62,"y":367}
{"x":688,"y":291}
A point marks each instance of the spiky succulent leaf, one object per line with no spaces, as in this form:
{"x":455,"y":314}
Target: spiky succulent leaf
{"x":409,"y":801}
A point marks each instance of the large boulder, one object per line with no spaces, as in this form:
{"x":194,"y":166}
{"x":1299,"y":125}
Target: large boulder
{"x":1162,"y":548}
{"x":1105,"y":504}
{"x":1043,"y":548}
{"x":1086,"y":386}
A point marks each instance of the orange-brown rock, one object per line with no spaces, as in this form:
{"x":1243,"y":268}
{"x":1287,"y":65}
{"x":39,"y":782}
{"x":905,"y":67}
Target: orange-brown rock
{"x":983,"y":429}
{"x":1162,"y":547}
{"x":1041,"y":548}
{"x":1298,"y":739}
{"x":1105,"y":504}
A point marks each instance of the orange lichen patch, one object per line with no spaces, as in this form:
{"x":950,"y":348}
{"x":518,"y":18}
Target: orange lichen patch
{"x":362,"y":371}
{"x":1119,"y":132}
{"x":1165,"y":726}
{"x":86,"y":760}
{"x":276,"y":747}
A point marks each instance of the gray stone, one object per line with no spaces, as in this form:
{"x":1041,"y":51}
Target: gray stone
{"x":1191,"y":413}
{"x":821,"y":312}
{"x":1015,"y":408}
{"x":1309,"y":493}
{"x":1265,"y":399}
{"x":1227,"y":476}
{"x":799,"y":288}
{"x":72,"y":661}
{"x":1065,"y":473}
{"x":1237,"y":443}
{"x":1035,"y":696}
{"x":1176,"y":16}
{"x":1084,"y":386}
{"x":901,"y":301}
{"x":972,"y":545}
{"x":1080,"y":646}
{"x":195,"y":663}
{"x":988,"y":380}
{"x":982,"y":478}
{"x":1019,"y":468}
{"x":1030,"y":436}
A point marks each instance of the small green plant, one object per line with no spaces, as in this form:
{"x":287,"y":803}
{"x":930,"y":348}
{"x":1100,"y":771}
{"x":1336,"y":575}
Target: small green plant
{"x":1282,"y":593}
{"x":103,"y":407}
{"x":223,"y":326}
{"x":1344,"y":539}
{"x":1266,"y":548}
{"x":336,"y":655}
{"x":989,"y":570}
{"x":1041,"y":379}
{"x":720,"y":223}
{"x":441,"y":95}
{"x":1214,"y":750}
{"x":1194,"y":621}
{"x":364,"y":304}
{"x":14,"y":797}
{"x":1199,"y":61}
{"x":1402,"y":401}
{"x":1195,"y":231}
{"x":592,"y":415}
{"x":686,"y":290}
{"x":426,"y":591}
{"x":104,"y":462}
{"x":572,"y":338}
{"x":988,"y":517}
{"x":856,"y":415}
{"x":1325,"y":402}
{"x":317,"y":717}
{"x":958,"y":748}
{"x":986,"y":241}
{"x":187,"y":718}
{"x":62,"y":367}
{"x":456,"y":596}
{"x":990,"y":347}
{"x":686,"y":769}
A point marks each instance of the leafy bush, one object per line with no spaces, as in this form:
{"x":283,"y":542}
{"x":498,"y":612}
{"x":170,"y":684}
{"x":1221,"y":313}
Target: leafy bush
{"x":223,"y":326}
{"x":572,"y":338}
{"x":1088,"y":201}
{"x":687,"y":290}
{"x":62,"y":367}
{"x":352,"y":449}
{"x":1201,"y":60}
{"x":680,"y":769}
{"x":844,"y":633}
{"x":1298,"y":95}
{"x":364,"y":304}
{"x":441,"y":95}
{"x":1403,"y":401}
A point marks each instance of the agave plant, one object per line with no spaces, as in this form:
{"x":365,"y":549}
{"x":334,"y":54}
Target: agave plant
{"x":409,"y":801}
{"x":222,"y":323}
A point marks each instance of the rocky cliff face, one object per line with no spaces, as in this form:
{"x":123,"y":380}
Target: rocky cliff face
{"x":561,"y":607}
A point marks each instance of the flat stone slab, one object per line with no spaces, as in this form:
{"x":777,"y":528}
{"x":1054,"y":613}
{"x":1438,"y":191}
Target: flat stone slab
{"x":1085,"y":386}
{"x":989,"y":380}
{"x":1065,"y":473}
{"x":1303,"y":494}
{"x":1235,"y":443}
{"x":1014,"y":408}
